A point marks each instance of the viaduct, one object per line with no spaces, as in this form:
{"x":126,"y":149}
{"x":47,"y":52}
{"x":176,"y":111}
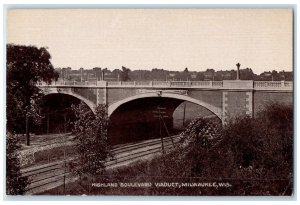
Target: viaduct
{"x":134,"y":101}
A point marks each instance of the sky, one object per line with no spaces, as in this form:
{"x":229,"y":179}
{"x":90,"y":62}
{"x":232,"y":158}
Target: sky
{"x":172,"y":39}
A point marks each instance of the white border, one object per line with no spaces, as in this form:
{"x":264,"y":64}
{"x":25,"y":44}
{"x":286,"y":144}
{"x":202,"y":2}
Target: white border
{"x":79,"y":3}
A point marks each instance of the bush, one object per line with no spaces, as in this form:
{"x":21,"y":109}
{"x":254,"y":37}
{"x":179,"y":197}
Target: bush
{"x":15,"y":183}
{"x":91,"y":139}
{"x":254,"y":155}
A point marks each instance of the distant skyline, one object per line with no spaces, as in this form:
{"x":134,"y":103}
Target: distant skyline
{"x":169,"y":39}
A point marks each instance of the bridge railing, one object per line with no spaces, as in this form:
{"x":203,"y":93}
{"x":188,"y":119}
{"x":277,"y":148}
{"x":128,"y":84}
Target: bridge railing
{"x":143,"y":83}
{"x":272,"y":84}
{"x":114,"y":83}
{"x":181,"y":83}
{"x":288,"y":84}
{"x":200,"y":84}
{"x":128,"y":83}
{"x":161,"y":83}
{"x":69,"y":83}
{"x":256,"y":85}
{"x":217,"y":84}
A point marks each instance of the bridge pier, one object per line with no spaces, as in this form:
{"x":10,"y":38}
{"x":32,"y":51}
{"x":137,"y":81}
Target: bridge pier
{"x":237,"y":99}
{"x":224,"y":106}
{"x":235,"y":104}
{"x":101,"y":92}
{"x":249,"y":103}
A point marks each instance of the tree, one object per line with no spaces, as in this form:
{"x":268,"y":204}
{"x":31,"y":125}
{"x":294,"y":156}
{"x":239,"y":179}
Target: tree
{"x":15,"y":183}
{"x":65,"y":73}
{"x":274,"y":75}
{"x":117,"y":73}
{"x":247,"y":74}
{"x":200,"y":76}
{"x":98,"y":73}
{"x":125,"y":74}
{"x":185,"y":74}
{"x":253,"y":154}
{"x":262,"y":148}
{"x":26,"y":65}
{"x":91,"y":138}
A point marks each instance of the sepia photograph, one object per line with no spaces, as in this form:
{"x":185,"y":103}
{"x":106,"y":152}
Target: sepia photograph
{"x":149,"y":102}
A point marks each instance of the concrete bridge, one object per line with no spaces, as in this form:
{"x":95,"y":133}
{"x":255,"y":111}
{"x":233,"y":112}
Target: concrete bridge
{"x":225,"y":99}
{"x":134,"y":102}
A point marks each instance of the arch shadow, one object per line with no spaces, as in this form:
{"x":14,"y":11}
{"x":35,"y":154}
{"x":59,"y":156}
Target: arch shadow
{"x":213,"y":109}
{"x":88,"y":102}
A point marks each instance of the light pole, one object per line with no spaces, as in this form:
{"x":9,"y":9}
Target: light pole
{"x":238,"y":71}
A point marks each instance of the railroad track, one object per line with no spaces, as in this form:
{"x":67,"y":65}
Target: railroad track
{"x":51,"y":175}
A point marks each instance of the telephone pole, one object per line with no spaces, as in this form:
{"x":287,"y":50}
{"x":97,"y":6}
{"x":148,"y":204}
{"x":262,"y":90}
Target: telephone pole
{"x":160,"y":113}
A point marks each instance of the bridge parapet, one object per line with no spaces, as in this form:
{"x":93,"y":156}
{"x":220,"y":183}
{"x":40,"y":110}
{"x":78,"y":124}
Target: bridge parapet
{"x":267,"y":85}
{"x":225,"y":84}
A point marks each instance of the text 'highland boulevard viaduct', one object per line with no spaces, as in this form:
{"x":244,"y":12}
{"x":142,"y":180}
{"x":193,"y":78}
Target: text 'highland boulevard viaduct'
{"x":226,"y":99}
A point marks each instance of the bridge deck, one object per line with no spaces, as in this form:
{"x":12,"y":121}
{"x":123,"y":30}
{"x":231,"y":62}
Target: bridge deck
{"x":230,"y":84}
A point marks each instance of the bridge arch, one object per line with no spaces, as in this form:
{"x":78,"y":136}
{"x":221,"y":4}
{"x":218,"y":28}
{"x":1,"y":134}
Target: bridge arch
{"x":213,"y":109}
{"x":88,"y":102}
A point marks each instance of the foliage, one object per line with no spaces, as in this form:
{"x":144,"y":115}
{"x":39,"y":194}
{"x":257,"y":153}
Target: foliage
{"x":125,"y":74}
{"x":204,"y":131}
{"x":157,"y":74}
{"x":91,"y":138}
{"x":26,"y":65}
{"x":253,"y":155}
{"x":261,"y":150}
{"x":15,"y":183}
{"x":97,"y":72}
{"x":198,"y":142}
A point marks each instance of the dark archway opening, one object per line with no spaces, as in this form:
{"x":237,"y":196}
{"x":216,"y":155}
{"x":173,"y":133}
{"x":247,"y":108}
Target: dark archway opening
{"x":57,"y":114}
{"x":137,"y":120}
{"x":186,"y":112}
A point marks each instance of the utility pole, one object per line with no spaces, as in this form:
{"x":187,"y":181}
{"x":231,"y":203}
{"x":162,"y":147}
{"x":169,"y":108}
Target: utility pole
{"x":27,"y":130}
{"x":161,"y":138}
{"x":65,"y":165}
{"x":48,"y":120}
{"x":65,"y":122}
{"x":160,"y":113}
{"x":183,"y":120}
{"x":157,"y":114}
{"x":162,"y":119}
